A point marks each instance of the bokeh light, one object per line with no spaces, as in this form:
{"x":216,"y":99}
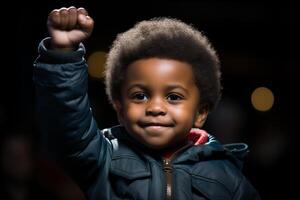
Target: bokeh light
{"x":96,"y":62}
{"x":262,"y":99}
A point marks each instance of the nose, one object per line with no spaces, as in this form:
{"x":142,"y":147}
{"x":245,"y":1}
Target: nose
{"x":156,"y":107}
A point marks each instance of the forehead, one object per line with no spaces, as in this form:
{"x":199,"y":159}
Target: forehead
{"x":160,"y":71}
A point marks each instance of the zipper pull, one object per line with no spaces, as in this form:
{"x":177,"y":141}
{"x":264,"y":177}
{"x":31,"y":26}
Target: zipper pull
{"x":167,"y":165}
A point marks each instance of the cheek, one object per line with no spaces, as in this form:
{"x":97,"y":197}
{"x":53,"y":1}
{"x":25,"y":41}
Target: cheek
{"x":182,"y":113}
{"x":133,"y":112}
{"x":185,"y":114}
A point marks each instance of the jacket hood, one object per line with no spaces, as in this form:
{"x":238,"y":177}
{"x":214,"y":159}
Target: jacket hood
{"x":214,"y":150}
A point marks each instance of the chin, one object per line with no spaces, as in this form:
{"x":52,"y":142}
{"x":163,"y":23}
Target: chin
{"x":156,"y":146}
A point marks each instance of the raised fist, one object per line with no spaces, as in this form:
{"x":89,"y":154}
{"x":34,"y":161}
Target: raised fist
{"x":68,"y":27}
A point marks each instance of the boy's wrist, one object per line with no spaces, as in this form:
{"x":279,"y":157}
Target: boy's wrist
{"x":65,"y":48}
{"x":49,"y":55}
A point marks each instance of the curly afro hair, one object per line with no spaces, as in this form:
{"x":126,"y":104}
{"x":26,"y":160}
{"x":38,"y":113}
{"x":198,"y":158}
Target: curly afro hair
{"x":167,"y":38}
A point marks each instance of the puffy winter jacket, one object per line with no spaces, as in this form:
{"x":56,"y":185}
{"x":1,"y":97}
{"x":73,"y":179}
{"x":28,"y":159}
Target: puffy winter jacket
{"x":107,"y":163}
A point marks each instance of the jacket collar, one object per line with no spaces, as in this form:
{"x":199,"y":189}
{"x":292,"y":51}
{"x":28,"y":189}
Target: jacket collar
{"x":212,"y":149}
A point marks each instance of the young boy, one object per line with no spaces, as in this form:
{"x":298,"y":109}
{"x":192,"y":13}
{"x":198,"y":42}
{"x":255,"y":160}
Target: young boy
{"x":162,"y":78}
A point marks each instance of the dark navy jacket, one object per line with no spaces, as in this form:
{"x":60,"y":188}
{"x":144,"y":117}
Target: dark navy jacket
{"x":107,"y":163}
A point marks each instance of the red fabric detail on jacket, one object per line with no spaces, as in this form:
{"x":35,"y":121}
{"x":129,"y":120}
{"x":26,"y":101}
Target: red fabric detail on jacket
{"x":196,"y":135}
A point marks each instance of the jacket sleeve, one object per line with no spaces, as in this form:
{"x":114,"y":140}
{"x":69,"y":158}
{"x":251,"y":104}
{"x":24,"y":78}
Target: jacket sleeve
{"x":64,"y":115}
{"x":246,"y":191}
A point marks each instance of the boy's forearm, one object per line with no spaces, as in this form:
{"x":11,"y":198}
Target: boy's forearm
{"x":63,"y":110}
{"x":64,"y":117}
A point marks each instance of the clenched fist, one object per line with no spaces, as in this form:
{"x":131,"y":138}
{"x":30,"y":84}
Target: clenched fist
{"x":68,"y":27}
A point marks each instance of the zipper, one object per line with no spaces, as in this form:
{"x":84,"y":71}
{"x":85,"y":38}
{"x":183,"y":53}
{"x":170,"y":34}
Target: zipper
{"x":167,"y":168}
{"x":168,"y":174}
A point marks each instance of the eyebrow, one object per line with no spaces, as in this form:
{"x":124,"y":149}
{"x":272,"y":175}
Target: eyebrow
{"x":138,"y":85}
{"x":169,"y":87}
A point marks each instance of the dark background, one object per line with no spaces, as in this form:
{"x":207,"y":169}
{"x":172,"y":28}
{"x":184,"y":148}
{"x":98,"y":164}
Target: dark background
{"x":257,"y":43}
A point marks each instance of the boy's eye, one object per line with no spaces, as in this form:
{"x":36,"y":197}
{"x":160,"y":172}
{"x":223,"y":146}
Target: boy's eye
{"x":174,"y":97}
{"x":139,"y":96}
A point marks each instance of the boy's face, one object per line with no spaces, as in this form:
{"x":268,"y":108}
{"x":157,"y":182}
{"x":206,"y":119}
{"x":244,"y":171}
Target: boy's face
{"x":160,"y":102}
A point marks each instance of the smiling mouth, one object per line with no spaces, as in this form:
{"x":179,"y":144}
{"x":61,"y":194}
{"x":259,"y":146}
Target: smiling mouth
{"x":155,"y":126}
{"x":156,"y":130}
{"x":145,"y":124}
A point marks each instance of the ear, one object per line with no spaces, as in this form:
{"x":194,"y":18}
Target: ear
{"x":119,"y":109}
{"x":201,"y":118}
